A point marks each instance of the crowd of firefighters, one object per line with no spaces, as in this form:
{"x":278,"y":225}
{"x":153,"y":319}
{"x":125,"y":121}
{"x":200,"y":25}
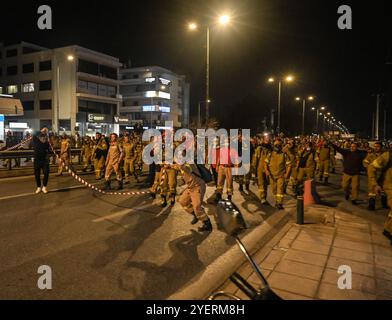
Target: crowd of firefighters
{"x":276,"y":162}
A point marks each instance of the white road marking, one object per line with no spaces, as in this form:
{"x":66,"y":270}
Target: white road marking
{"x":122,"y":213}
{"x":50,"y":191}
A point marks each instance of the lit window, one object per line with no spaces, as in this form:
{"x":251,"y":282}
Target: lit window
{"x":164,"y":109}
{"x":12,"y":89}
{"x":150,"y":94}
{"x":150,"y":80}
{"x":28,"y":87}
{"x":164,"y":95}
{"x":164,"y":81}
{"x":148,"y":108}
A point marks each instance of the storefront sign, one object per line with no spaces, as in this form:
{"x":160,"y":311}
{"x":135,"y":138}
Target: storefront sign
{"x":121,"y":120}
{"x":19,"y":125}
{"x":99,"y":118}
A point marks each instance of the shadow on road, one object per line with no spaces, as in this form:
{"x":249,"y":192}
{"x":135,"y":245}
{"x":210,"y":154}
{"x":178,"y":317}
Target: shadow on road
{"x":141,"y":278}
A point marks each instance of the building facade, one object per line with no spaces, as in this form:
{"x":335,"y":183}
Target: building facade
{"x":153,"y":96}
{"x":66,"y":89}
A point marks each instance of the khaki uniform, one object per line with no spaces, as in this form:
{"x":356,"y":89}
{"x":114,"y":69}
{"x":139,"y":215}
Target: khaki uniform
{"x":157,"y":179}
{"x":168,"y":182}
{"x":348,"y":180}
{"x":113,"y":160}
{"x":292,"y":154}
{"x":129,"y":149}
{"x":87,"y":152}
{"x":383,"y":164}
{"x":65,"y":155}
{"x":325,"y":155}
{"x":139,"y":156}
{"x":261,"y":154}
{"x":306,"y":166}
{"x":278,"y":165}
{"x":366,"y":163}
{"x":99,"y":157}
{"x":192,"y":197}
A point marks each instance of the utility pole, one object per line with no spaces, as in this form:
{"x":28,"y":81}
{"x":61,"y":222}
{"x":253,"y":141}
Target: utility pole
{"x":385,"y":124}
{"x":377,"y":119}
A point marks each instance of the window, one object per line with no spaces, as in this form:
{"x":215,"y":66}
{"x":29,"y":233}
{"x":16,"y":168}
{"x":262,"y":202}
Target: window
{"x":12,"y":70}
{"x":45,"y":65}
{"x":45,"y":85}
{"x":28,"y":105}
{"x":12,"y":89}
{"x":45,"y":104}
{"x":1,"y":90}
{"x":108,"y":72}
{"x":27,"y":50}
{"x":28,"y":68}
{"x":88,"y":67}
{"x":28,"y":87}
{"x":11,"y":53}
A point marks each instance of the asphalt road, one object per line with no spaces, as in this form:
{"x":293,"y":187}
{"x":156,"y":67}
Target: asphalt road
{"x":112,"y":247}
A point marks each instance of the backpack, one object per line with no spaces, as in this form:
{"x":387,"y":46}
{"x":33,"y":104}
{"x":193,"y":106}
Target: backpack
{"x":205,"y":174}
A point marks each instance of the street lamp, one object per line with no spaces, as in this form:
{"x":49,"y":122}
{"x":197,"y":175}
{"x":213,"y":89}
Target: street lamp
{"x":199,"y":112}
{"x":192,"y":26}
{"x":56,"y":118}
{"x":310,"y":98}
{"x":288,"y":78}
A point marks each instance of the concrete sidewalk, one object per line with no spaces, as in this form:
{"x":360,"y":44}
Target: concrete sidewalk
{"x":301,"y":262}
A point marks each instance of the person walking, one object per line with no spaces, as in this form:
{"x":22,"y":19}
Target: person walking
{"x":352,"y":166}
{"x":42,"y":150}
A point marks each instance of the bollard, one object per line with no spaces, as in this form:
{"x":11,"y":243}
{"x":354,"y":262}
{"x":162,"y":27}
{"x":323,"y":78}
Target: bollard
{"x":300,"y":210}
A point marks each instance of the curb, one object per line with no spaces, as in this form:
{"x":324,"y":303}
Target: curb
{"x":220,"y":270}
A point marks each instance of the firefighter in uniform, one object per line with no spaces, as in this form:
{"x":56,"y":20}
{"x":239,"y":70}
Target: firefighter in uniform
{"x":99,"y":152}
{"x":87,"y":152}
{"x":372,"y":155}
{"x":139,"y":155}
{"x":224,"y":169}
{"x":292,"y":153}
{"x":192,"y":197}
{"x":129,"y":158}
{"x":168,"y":183}
{"x":261,"y":154}
{"x":324,"y":155}
{"x":306,"y":166}
{"x":245,"y":179}
{"x":384,"y":165}
{"x":113,"y":161}
{"x":278,"y":169}
{"x":65,"y":154}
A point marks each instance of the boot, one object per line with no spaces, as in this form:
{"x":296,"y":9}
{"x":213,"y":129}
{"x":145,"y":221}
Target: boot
{"x":326,"y":180}
{"x":384,"y":201}
{"x":229,"y":197}
{"x":195,"y":219}
{"x":279,"y":206}
{"x":163,"y":201}
{"x":207,"y":226}
{"x":172,"y":199}
{"x":241,"y":188}
{"x":107,"y":185}
{"x":347,"y":195}
{"x":247,"y":187}
{"x":372,"y":204}
{"x":120,"y":185}
{"x":218,"y":197}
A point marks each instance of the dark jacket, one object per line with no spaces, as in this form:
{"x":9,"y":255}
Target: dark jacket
{"x":352,"y":161}
{"x":41,"y":150}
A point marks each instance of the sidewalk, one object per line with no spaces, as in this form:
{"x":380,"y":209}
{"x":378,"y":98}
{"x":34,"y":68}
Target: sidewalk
{"x":301,"y":262}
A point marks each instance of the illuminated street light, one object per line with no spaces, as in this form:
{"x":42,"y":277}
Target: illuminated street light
{"x":288,"y":78}
{"x":192,"y":26}
{"x":311,"y":98}
{"x":224,"y":19}
{"x":70,"y":57}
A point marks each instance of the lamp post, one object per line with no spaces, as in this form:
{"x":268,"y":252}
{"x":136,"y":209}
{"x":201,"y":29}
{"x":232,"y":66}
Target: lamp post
{"x":318,"y":113}
{"x":288,"y":78}
{"x":222,"y":20}
{"x":56,"y":118}
{"x":199,"y":112}
{"x":310,"y":98}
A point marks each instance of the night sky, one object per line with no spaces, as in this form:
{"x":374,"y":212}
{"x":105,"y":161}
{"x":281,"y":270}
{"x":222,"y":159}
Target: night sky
{"x":266,"y":37}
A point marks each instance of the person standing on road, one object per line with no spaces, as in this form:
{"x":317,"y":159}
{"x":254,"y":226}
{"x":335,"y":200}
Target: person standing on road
{"x":352,"y":166}
{"x":41,"y":159}
{"x":65,"y":154}
{"x":383,"y":164}
{"x":99,"y":152}
{"x":373,"y":154}
{"x":113,"y":160}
